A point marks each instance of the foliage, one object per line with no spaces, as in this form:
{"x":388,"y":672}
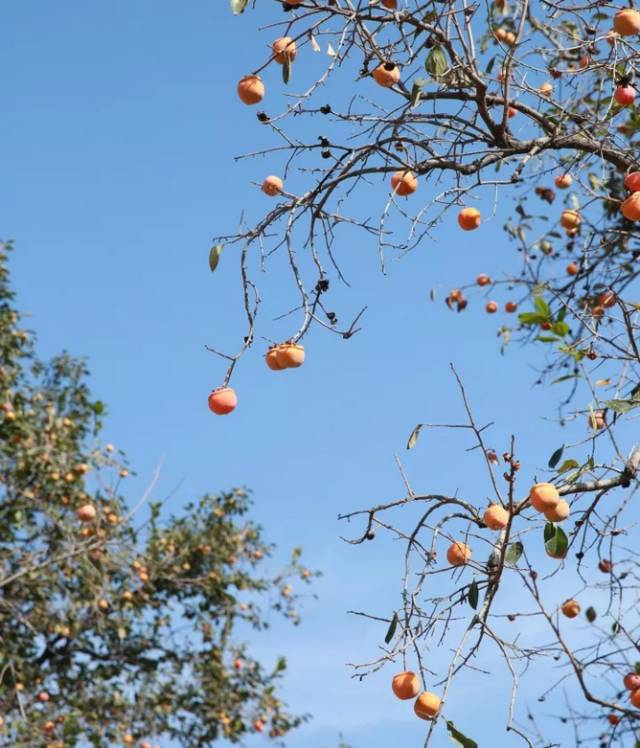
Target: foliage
{"x":113,"y":631}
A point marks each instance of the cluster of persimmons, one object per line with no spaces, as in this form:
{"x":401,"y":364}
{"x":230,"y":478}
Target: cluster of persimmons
{"x":544,"y":499}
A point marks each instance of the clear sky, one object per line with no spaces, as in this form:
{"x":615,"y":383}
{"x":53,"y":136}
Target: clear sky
{"x":118,"y":130}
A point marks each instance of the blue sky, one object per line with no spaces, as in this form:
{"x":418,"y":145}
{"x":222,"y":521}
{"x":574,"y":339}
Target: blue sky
{"x":119,"y":126}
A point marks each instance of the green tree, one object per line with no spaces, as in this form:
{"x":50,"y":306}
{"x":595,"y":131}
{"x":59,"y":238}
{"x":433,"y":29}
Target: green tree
{"x":113,"y":632}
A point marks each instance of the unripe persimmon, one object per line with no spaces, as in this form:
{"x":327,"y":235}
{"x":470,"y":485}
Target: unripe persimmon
{"x":626,"y":22}
{"x":491,"y":307}
{"x":251,"y":89}
{"x":427,"y":705}
{"x":458,"y":553}
{"x":290,"y":355}
{"x":510,"y":307}
{"x":272,"y":186}
{"x":404,"y":183}
{"x":632,"y":181}
{"x":222,"y":401}
{"x":496,"y":517}
{"x":469,"y":219}
{"x":271,"y":357}
{"x":570,"y":219}
{"x":282,"y":48}
{"x":632,"y":681}
{"x":387,"y":74}
{"x":483,"y":280}
{"x":570,"y":608}
{"x":562,"y":181}
{"x":635,"y":698}
{"x":86,"y":513}
{"x":624,"y":95}
{"x":630,"y":207}
{"x":559,"y":512}
{"x":544,"y":497}
{"x":405,"y":685}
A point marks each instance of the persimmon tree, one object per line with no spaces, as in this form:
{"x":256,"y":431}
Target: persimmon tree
{"x":120,"y":624}
{"x":430,"y":118}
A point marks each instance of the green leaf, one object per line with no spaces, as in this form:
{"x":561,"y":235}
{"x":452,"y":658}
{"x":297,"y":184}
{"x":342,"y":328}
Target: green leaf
{"x":473,"y":594}
{"x":286,"y":69}
{"x":565,"y":378}
{"x":542,"y":307}
{"x":459,"y":738}
{"x":621,"y":406}
{"x":557,"y":545}
{"x":531,"y":318}
{"x":514,"y":551}
{"x":568,"y":465}
{"x":98,"y":407}
{"x":547,"y":338}
{"x":415,"y":94}
{"x":391,"y":631}
{"x":238,"y":6}
{"x":411,"y":443}
{"x":214,"y":256}
{"x":555,"y":457}
{"x":549,"y":531}
{"x":436,"y":64}
{"x":591,"y":614}
{"x":636,"y":667}
{"x":560,"y":328}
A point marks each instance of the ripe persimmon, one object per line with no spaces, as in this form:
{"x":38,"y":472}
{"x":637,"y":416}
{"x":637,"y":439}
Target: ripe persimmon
{"x":632,"y":681}
{"x":405,"y":685}
{"x":491,"y":307}
{"x":458,"y":553}
{"x":511,"y":112}
{"x":596,"y":420}
{"x":251,"y":89}
{"x":272,"y":186}
{"x":559,"y":512}
{"x":632,"y":181}
{"x":387,"y":74}
{"x":544,"y":497}
{"x":496,"y":517}
{"x":290,"y":355}
{"x":630,"y":207}
{"x":404,"y":183}
{"x":427,"y":705}
{"x":222,"y":401}
{"x":86,"y":513}
{"x":283,"y":47}
{"x":570,"y":608}
{"x":613,"y":719}
{"x":635,"y":698}
{"x":562,"y":181}
{"x":510,"y":307}
{"x":605,"y":566}
{"x":546,"y":89}
{"x":271,"y":357}
{"x":570,"y":219}
{"x":626,"y":22}
{"x":573,"y":268}
{"x":607,"y":299}
{"x":389,"y":4}
{"x":469,"y":219}
{"x":624,"y":95}
{"x":483,"y":280}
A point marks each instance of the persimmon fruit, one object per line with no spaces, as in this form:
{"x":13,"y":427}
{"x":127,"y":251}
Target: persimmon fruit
{"x":387,"y":74}
{"x":283,"y":47}
{"x":223,"y":401}
{"x":630,"y":207}
{"x":290,"y":355}
{"x":427,"y":705}
{"x":404,"y":183}
{"x":272,"y":186}
{"x":251,"y":89}
{"x":559,"y":512}
{"x":626,"y":22}
{"x":570,"y":608}
{"x":405,"y":685}
{"x":458,"y":553}
{"x":544,"y":497}
{"x":469,"y":219}
{"x":496,"y":517}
